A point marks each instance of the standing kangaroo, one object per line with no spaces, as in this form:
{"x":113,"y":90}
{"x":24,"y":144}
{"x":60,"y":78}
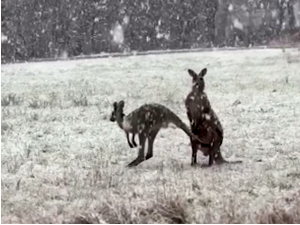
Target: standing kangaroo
{"x":204,"y":122}
{"x":146,"y":121}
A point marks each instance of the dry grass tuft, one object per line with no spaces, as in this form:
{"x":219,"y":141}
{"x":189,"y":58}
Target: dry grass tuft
{"x":10,"y":99}
{"x":276,"y":216}
{"x":284,"y":211}
{"x":4,"y":127}
{"x":173,"y":211}
{"x":81,"y":101}
{"x":170,"y":211}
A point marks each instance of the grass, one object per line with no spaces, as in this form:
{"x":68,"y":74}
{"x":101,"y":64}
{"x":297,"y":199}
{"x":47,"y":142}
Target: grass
{"x":62,"y":160}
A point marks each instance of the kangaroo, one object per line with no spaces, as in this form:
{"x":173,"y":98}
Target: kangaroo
{"x":204,"y":122}
{"x":146,"y":121}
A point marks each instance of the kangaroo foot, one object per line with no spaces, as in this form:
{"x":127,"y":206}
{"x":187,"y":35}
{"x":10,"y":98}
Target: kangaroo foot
{"x":194,"y":160}
{"x":135,"y":162}
{"x":193,"y":163}
{"x":149,"y":156}
{"x":205,"y":165}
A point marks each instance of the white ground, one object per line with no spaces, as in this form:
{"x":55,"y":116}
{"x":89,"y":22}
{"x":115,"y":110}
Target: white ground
{"x":61,"y":157}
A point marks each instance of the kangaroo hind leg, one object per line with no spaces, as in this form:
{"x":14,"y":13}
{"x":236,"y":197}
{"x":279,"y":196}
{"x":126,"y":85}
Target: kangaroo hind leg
{"x":141,"y":155}
{"x":151,"y":139}
{"x":132,"y":140}
{"x":128,"y":141}
{"x":215,"y":154}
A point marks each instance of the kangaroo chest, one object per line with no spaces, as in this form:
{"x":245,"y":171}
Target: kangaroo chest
{"x":206,"y":132}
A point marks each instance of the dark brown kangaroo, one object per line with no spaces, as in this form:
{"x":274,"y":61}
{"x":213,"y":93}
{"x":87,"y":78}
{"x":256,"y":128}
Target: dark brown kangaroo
{"x":204,"y":122}
{"x":146,"y":121}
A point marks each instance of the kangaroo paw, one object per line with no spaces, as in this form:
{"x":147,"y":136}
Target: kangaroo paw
{"x":195,"y":138}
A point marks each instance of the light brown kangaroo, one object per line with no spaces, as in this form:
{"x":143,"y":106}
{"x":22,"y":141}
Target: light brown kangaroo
{"x":204,"y":122}
{"x":146,"y":121}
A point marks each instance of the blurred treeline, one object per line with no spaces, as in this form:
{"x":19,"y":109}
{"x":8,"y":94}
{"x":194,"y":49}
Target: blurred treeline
{"x":48,"y":28}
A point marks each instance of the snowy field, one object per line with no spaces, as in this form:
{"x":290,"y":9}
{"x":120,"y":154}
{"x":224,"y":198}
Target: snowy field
{"x":62,"y":160}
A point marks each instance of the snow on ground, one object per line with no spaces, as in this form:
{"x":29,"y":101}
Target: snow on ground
{"x":61,"y":157}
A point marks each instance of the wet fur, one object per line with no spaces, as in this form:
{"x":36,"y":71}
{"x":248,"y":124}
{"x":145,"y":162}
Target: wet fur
{"x":146,"y":121}
{"x":204,"y":122}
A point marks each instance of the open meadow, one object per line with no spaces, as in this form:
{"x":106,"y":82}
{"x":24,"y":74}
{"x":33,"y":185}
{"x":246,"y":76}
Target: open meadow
{"x":62,"y":160}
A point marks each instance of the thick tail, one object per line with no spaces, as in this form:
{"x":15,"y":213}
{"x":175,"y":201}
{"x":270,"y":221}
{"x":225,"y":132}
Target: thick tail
{"x":220,"y":159}
{"x":180,"y":124}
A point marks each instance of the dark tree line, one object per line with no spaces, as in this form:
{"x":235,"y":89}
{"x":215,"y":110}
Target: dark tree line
{"x":277,"y":18}
{"x":47,"y":28}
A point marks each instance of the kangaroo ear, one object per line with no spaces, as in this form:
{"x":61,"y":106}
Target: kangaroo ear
{"x":203,"y":72}
{"x":192,"y":73}
{"x":115,"y":105}
{"x":121,"y":104}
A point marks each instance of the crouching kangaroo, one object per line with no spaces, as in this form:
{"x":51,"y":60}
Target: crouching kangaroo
{"x":146,"y":121}
{"x":204,"y":122}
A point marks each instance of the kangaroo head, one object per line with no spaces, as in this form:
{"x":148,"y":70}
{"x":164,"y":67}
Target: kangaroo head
{"x":198,"y":81}
{"x":117,"y":110}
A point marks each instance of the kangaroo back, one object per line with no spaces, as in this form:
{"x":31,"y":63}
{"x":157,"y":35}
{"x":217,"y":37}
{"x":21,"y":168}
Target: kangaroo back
{"x":171,"y":117}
